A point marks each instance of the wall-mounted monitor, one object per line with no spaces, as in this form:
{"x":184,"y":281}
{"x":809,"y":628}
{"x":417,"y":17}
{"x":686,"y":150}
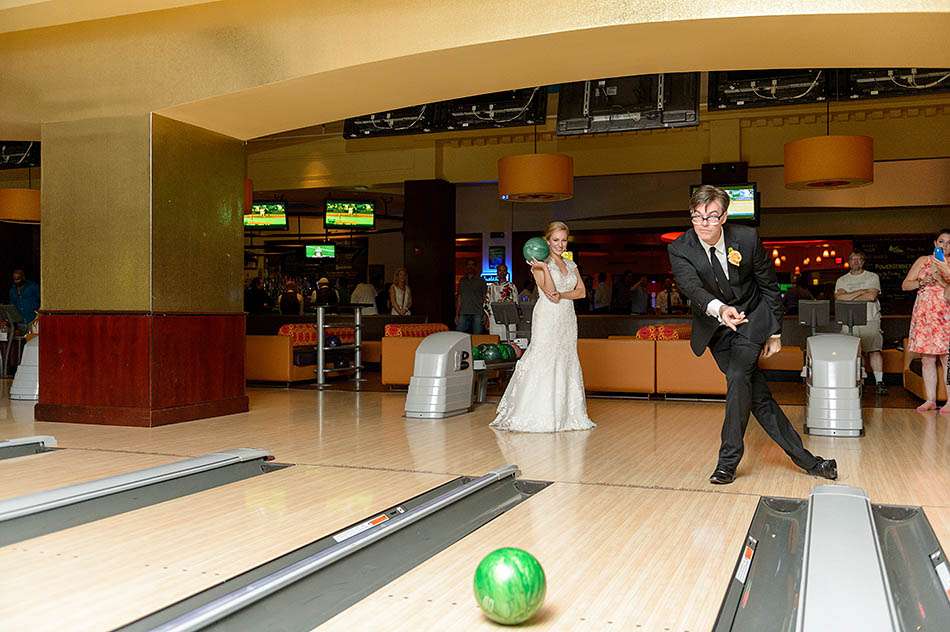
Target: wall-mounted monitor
{"x":320,"y":251}
{"x":266,"y":216}
{"x":349,"y":214}
{"x":744,"y":202}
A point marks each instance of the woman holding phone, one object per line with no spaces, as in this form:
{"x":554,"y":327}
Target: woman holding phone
{"x":930,"y":322}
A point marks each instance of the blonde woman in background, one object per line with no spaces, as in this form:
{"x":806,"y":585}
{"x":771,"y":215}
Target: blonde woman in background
{"x":546,"y":392}
{"x":400,"y":296}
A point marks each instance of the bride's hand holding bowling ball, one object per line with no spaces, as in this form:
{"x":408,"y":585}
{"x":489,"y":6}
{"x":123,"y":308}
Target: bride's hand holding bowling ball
{"x":537,"y":265}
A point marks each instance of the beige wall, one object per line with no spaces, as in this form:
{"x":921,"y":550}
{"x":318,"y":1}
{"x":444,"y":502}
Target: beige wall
{"x":197,"y":226}
{"x":96,"y":233}
{"x":247,"y":68}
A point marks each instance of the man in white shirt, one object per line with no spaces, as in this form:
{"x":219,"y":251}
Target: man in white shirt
{"x":861,"y":285}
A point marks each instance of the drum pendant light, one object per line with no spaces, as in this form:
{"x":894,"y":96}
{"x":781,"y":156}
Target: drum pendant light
{"x":536,"y":177}
{"x":829,"y":162}
{"x":20,"y":205}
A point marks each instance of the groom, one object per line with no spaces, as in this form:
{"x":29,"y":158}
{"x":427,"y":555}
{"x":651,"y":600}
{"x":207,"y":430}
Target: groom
{"x":737,"y":313}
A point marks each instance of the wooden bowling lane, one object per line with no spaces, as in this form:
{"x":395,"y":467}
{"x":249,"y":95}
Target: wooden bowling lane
{"x":48,"y":470}
{"x":903,"y":459}
{"x":111,"y":572}
{"x":615,"y":558}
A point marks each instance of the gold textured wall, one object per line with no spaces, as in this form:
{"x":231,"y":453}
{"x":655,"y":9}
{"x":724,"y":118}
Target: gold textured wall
{"x":95,"y":240}
{"x":248,"y":68}
{"x":197,"y":225}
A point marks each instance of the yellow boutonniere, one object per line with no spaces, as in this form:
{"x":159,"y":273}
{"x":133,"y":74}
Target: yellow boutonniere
{"x":734,"y":256}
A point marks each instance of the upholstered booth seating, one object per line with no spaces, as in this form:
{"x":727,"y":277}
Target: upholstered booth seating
{"x":399,"y":346}
{"x":282,"y":348}
{"x":619,"y":364}
{"x":914,"y":380}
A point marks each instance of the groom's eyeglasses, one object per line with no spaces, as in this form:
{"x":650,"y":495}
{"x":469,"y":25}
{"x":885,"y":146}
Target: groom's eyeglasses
{"x":712,"y":220}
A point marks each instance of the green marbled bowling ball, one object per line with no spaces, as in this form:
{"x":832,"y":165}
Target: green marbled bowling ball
{"x":507,"y":352}
{"x":490,"y":353}
{"x":535,"y":248}
{"x":509,"y":585}
{"x":477,"y":353}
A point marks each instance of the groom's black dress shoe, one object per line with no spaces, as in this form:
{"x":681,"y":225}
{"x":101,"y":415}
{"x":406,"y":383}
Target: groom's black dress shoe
{"x":722,"y":476}
{"x":825,"y":468}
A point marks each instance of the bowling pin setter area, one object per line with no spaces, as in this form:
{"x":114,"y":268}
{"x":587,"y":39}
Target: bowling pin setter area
{"x":382,"y":522}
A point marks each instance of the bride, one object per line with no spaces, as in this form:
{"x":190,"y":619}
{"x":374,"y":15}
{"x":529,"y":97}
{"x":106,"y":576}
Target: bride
{"x":546,"y":392}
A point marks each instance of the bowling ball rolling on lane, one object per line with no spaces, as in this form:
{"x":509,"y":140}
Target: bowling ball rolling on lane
{"x":509,"y":585}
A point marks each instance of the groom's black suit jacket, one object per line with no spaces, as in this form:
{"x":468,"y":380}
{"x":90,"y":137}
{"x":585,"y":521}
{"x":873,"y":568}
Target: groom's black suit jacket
{"x":752,"y":281}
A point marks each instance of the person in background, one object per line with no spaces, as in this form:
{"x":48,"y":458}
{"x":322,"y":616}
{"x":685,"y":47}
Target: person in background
{"x":621,"y":296}
{"x":291,"y":300}
{"x":471,"y":297}
{"x":382,"y":299}
{"x":365,"y":294}
{"x":639,"y":298}
{"x":861,"y":285}
{"x":25,"y":296}
{"x":669,"y":301}
{"x":256,"y":299}
{"x":529,"y":291}
{"x":324,"y":295}
{"x":798,"y":292}
{"x":930,"y":322}
{"x":502,"y":291}
{"x":601,"y":302}
{"x":400,"y":296}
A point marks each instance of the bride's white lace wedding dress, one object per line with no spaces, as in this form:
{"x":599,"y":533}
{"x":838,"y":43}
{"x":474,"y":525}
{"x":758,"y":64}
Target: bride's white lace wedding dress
{"x":546,"y":392}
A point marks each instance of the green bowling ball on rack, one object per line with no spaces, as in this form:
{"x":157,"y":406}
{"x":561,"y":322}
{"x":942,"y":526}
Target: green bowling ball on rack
{"x":535,"y":249}
{"x":507,"y":353}
{"x":490,"y":353}
{"x":509,"y":586}
{"x":477,"y":353}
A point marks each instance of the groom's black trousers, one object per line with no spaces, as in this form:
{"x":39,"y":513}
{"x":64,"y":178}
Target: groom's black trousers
{"x":747,"y":391}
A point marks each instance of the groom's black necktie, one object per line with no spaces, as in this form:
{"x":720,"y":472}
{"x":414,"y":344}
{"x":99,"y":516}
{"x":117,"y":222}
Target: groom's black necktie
{"x":724,"y":288}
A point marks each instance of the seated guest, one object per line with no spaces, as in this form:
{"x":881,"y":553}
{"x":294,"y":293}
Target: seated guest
{"x":291,"y":301}
{"x":324,"y":295}
{"x":25,"y":296}
{"x":256,"y":299}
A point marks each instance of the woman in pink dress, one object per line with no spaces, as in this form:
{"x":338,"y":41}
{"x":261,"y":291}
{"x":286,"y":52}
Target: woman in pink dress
{"x":930,"y":322}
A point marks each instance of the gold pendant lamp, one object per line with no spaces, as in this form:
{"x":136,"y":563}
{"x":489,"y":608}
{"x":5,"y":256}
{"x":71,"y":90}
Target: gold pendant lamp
{"x":829,"y":162}
{"x":536,"y":177}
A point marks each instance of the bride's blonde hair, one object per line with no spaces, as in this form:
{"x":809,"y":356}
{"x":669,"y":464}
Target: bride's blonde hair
{"x":555,"y":226}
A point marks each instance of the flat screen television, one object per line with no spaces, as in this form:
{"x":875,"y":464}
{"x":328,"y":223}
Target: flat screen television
{"x":266,"y":216}
{"x":743,"y":202}
{"x":349,"y":214}
{"x":320,"y":251}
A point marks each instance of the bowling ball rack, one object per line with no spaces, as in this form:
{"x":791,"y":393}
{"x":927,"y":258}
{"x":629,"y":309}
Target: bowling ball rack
{"x":309,"y":586}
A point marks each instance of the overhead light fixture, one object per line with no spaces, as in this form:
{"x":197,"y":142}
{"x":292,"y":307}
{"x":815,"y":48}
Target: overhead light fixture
{"x":20,"y":205}
{"x":829,"y":162}
{"x":536,"y":177}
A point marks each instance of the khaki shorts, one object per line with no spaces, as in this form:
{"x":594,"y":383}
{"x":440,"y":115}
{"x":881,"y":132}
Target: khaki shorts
{"x":871,"y":337}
